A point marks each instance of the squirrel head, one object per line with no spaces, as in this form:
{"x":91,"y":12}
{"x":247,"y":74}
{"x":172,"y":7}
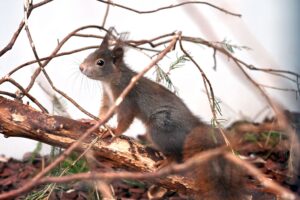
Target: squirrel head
{"x":104,"y":63}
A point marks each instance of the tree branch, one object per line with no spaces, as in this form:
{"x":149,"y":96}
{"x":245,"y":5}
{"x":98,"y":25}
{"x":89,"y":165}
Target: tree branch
{"x":171,"y":6}
{"x":21,"y":25}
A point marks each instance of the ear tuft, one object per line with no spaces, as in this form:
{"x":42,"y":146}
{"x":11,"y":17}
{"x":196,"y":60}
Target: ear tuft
{"x":104,"y":44}
{"x":105,"y":41}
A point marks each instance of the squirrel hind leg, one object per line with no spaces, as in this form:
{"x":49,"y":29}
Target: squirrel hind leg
{"x":167,"y":134}
{"x":169,"y":143}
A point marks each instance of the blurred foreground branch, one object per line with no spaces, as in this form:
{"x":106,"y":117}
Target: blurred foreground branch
{"x":19,"y":120}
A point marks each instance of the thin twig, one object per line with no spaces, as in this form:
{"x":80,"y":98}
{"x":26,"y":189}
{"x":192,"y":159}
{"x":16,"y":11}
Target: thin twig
{"x":65,"y":170}
{"x":168,"y":170}
{"x":215,"y":59}
{"x":210,"y":93}
{"x":171,"y":6}
{"x":220,"y":49}
{"x":106,"y":14}
{"x":55,"y":51}
{"x":9,"y":94}
{"x":239,"y":63}
{"x":15,"y":83}
{"x":68,"y":98}
{"x":262,"y":92}
{"x":268,"y":183}
{"x":298,"y":83}
{"x":50,"y":57}
{"x":41,"y":68}
{"x":283,"y":76}
{"x":88,"y":35}
{"x":278,"y":88}
{"x":270,"y":70}
{"x":150,"y":42}
{"x":21,"y":25}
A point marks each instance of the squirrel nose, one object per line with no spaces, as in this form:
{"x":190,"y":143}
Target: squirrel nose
{"x":81,"y":67}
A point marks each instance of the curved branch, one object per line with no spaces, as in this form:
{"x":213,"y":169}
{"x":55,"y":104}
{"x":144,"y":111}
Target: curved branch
{"x":55,"y":51}
{"x":17,"y":85}
{"x":172,"y":6}
{"x":21,"y":25}
{"x":51,"y":57}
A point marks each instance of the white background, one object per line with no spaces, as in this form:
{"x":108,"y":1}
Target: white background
{"x":266,"y":27}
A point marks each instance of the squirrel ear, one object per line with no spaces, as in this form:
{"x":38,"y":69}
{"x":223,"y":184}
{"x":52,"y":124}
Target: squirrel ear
{"x":105,"y":41}
{"x":109,"y":35}
{"x":117,"y":53}
{"x":104,"y":44}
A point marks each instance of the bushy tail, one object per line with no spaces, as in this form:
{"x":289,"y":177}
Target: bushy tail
{"x":216,"y":178}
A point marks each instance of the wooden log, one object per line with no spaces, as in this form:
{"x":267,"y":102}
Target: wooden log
{"x":20,"y":120}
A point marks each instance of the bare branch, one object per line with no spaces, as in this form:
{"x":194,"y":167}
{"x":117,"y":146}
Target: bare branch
{"x":209,"y":93}
{"x":215,"y":59}
{"x":271,"y":70}
{"x":51,"y":57}
{"x":171,"y":6}
{"x":150,"y":42}
{"x":279,"y":88}
{"x":15,"y":83}
{"x":106,"y":14}
{"x":55,"y":51}
{"x":48,"y":78}
{"x":270,"y":184}
{"x":168,"y":170}
{"x":21,"y":25}
{"x":68,"y":97}
{"x":9,"y":94}
{"x":88,"y":35}
{"x":239,"y":63}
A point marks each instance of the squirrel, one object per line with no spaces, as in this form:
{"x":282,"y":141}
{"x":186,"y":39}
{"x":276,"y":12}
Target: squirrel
{"x":170,"y":125}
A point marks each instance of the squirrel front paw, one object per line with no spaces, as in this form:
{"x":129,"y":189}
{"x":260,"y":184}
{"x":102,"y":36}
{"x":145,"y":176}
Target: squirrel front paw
{"x":87,"y":121}
{"x":105,"y":130}
{"x":164,"y":163}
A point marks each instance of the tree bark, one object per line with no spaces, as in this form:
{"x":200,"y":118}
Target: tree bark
{"x":19,"y":120}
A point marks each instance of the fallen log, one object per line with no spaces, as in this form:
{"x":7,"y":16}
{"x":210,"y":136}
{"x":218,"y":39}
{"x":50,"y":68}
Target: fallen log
{"x":20,"y":120}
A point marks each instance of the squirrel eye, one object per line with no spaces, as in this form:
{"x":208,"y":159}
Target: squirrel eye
{"x":100,"y":62}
